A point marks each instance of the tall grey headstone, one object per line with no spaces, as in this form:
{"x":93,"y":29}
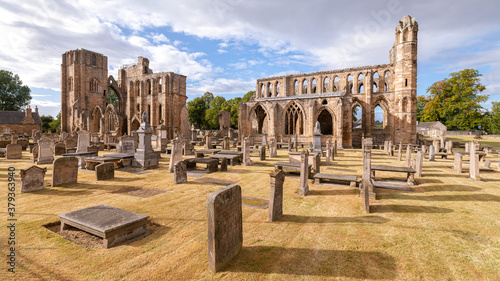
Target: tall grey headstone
{"x":328,"y":151}
{"x":262,"y":153}
{"x":432,"y":153}
{"x":64,"y":171}
{"x":246,"y":152}
{"x":14,"y":151}
{"x":419,"y":163}
{"x":304,"y":173}
{"x":45,"y":155}
{"x":105,"y":171}
{"x":276,"y":197}
{"x":400,"y":151}
{"x":408,"y":155}
{"x":474,"y":162}
{"x":367,"y":188}
{"x":126,"y":145}
{"x":176,"y":154}
{"x":180,"y":172}
{"x":273,"y":148}
{"x":457,"y":162}
{"x":83,"y":141}
{"x":225,"y":226}
{"x":145,"y":157}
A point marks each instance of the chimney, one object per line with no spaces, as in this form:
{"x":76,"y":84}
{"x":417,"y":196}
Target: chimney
{"x":36,"y":109}
{"x":28,"y":111}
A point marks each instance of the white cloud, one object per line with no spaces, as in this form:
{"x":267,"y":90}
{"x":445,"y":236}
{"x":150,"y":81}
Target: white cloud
{"x":220,"y":51}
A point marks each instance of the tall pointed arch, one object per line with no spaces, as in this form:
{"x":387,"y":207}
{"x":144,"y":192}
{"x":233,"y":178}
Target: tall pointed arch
{"x":293,"y":116}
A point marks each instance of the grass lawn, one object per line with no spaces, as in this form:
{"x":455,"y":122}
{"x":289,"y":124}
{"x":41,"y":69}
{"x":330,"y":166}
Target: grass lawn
{"x":448,"y":229}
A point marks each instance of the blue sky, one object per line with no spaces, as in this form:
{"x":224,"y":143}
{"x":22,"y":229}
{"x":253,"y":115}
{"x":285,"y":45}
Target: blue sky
{"x":223,"y":46}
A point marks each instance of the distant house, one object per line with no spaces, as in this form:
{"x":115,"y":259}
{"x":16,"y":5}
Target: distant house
{"x":18,"y":122}
{"x":433,"y":129}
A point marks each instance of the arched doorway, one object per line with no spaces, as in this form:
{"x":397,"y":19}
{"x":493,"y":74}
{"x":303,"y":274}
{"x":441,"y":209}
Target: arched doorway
{"x":294,"y":119}
{"x":259,"y":120}
{"x":325,"y":120}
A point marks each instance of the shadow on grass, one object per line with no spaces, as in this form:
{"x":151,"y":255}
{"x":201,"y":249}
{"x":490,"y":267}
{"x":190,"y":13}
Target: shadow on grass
{"x":38,"y":270}
{"x":317,"y":219}
{"x":67,"y":191}
{"x":333,"y":192}
{"x":448,"y":188}
{"x":334,"y":263}
{"x":457,"y":198}
{"x":407,"y":209}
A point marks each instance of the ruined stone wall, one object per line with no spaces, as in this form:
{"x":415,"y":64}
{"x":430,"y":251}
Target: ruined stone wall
{"x":391,"y":86}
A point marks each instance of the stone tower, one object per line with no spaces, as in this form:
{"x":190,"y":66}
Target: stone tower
{"x":83,"y":87}
{"x":403,"y":56}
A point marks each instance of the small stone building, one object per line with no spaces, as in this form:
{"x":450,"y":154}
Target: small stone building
{"x":292,"y":104}
{"x":433,"y":129}
{"x":92,"y":101}
{"x":18,"y":122}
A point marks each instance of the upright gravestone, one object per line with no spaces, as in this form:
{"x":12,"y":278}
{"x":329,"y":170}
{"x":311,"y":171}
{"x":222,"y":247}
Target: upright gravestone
{"x":432,"y":153}
{"x":14,"y":151}
{"x":273,"y":148}
{"x":419,"y":163}
{"x":83,"y":141}
{"x":317,"y":138}
{"x":225,"y":226}
{"x":296,"y":142}
{"x":64,"y":171}
{"x":264,"y":139}
{"x":176,"y":154}
{"x":467,"y":147}
{"x":45,"y":155}
{"x":276,"y":197}
{"x":188,"y":147}
{"x":246,"y":152}
{"x":474,"y":162}
{"x":262,"y":153}
{"x":225,"y":143}
{"x":126,"y":145}
{"x":223,"y":164}
{"x":289,"y":144}
{"x":70,"y":142}
{"x":194,"y":134}
{"x":424,"y":149}
{"x":408,"y":155}
{"x":367,"y":189}
{"x":457,"y":162}
{"x":335,"y":149}
{"x":304,"y":173}
{"x":328,"y":151}
{"x":32,"y":178}
{"x":208,"y":140}
{"x":35,"y":153}
{"x":180,"y":172}
{"x":59,"y":149}
{"x":487,"y":164}
{"x":145,"y":157}
{"x":400,"y":151}
{"x":442,"y":140}
{"x":105,"y":171}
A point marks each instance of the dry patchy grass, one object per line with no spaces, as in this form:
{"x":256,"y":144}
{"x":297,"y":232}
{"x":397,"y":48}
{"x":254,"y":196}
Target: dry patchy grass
{"x":449,"y":228}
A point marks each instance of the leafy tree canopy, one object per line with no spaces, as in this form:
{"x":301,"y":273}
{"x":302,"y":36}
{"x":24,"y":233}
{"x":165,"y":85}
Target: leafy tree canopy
{"x":13,"y":95}
{"x":455,"y":101}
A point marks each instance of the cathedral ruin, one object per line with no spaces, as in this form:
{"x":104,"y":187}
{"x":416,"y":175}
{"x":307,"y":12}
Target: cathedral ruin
{"x":92,"y":101}
{"x":284,"y":106}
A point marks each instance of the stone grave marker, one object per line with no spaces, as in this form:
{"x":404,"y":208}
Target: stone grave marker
{"x":64,"y":171}
{"x":105,"y":171}
{"x":467,"y":147}
{"x":273,"y":148}
{"x":35,"y":153}
{"x":45,"y":155}
{"x":457,"y":162}
{"x":32,"y":178}
{"x":473,"y":162}
{"x":180,"y":172}
{"x":70,"y":142}
{"x":145,"y":157}
{"x":14,"y":151}
{"x":245,"y":146}
{"x":126,"y":145}
{"x":366,"y":179}
{"x":225,"y":226}
{"x":276,"y":197}
{"x":83,"y":141}
{"x":328,"y":151}
{"x":487,"y":163}
{"x":304,"y":173}
{"x":262,"y":153}
{"x":223,"y":165}
{"x":225,"y":144}
{"x":289,"y":144}
{"x":188,"y":148}
{"x":408,"y":155}
{"x":400,"y":151}
{"x":176,"y":154}
{"x":419,"y":163}
{"x":432,"y":153}
{"x":59,"y":149}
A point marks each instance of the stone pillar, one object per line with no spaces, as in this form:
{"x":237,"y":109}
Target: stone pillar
{"x":474,"y":162}
{"x":262,"y":153}
{"x":457,"y":163}
{"x":466,"y":147}
{"x":390,"y":149}
{"x":432,"y":153}
{"x":225,"y":144}
{"x":335,"y":149}
{"x":419,"y":163}
{"x":304,"y":173}
{"x":400,"y":151}
{"x":245,"y":147}
{"x":208,"y":140}
{"x":408,"y":155}
{"x":276,"y":197}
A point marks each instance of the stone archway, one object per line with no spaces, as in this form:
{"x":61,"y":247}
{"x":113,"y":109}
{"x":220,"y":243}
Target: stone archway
{"x":326,"y":122}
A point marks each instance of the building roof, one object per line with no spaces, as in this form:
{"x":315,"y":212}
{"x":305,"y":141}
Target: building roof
{"x":16,"y":117}
{"x":431,"y":125}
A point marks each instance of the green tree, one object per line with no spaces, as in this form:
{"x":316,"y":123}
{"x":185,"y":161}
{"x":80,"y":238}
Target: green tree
{"x":492,"y":120}
{"x":247,"y":96}
{"x":212,"y":113}
{"x":46,"y":121}
{"x":455,"y":101}
{"x":13,"y":95}
{"x":197,"y":109}
{"x":56,"y":123}
{"x":113,"y":98}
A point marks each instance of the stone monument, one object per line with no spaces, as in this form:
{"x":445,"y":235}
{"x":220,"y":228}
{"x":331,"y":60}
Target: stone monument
{"x":32,"y":178}
{"x":145,"y":157}
{"x":276,"y":197}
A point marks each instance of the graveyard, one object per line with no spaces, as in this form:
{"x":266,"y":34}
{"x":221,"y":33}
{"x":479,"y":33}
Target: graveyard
{"x":444,"y":225}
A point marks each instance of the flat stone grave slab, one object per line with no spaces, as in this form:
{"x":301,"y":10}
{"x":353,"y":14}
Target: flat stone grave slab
{"x":254,"y":202}
{"x":112,"y":224}
{"x":96,"y":160}
{"x":215,"y":181}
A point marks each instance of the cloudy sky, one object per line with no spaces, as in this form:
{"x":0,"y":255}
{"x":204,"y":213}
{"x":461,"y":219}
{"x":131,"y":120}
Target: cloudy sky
{"x":223,"y":46}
